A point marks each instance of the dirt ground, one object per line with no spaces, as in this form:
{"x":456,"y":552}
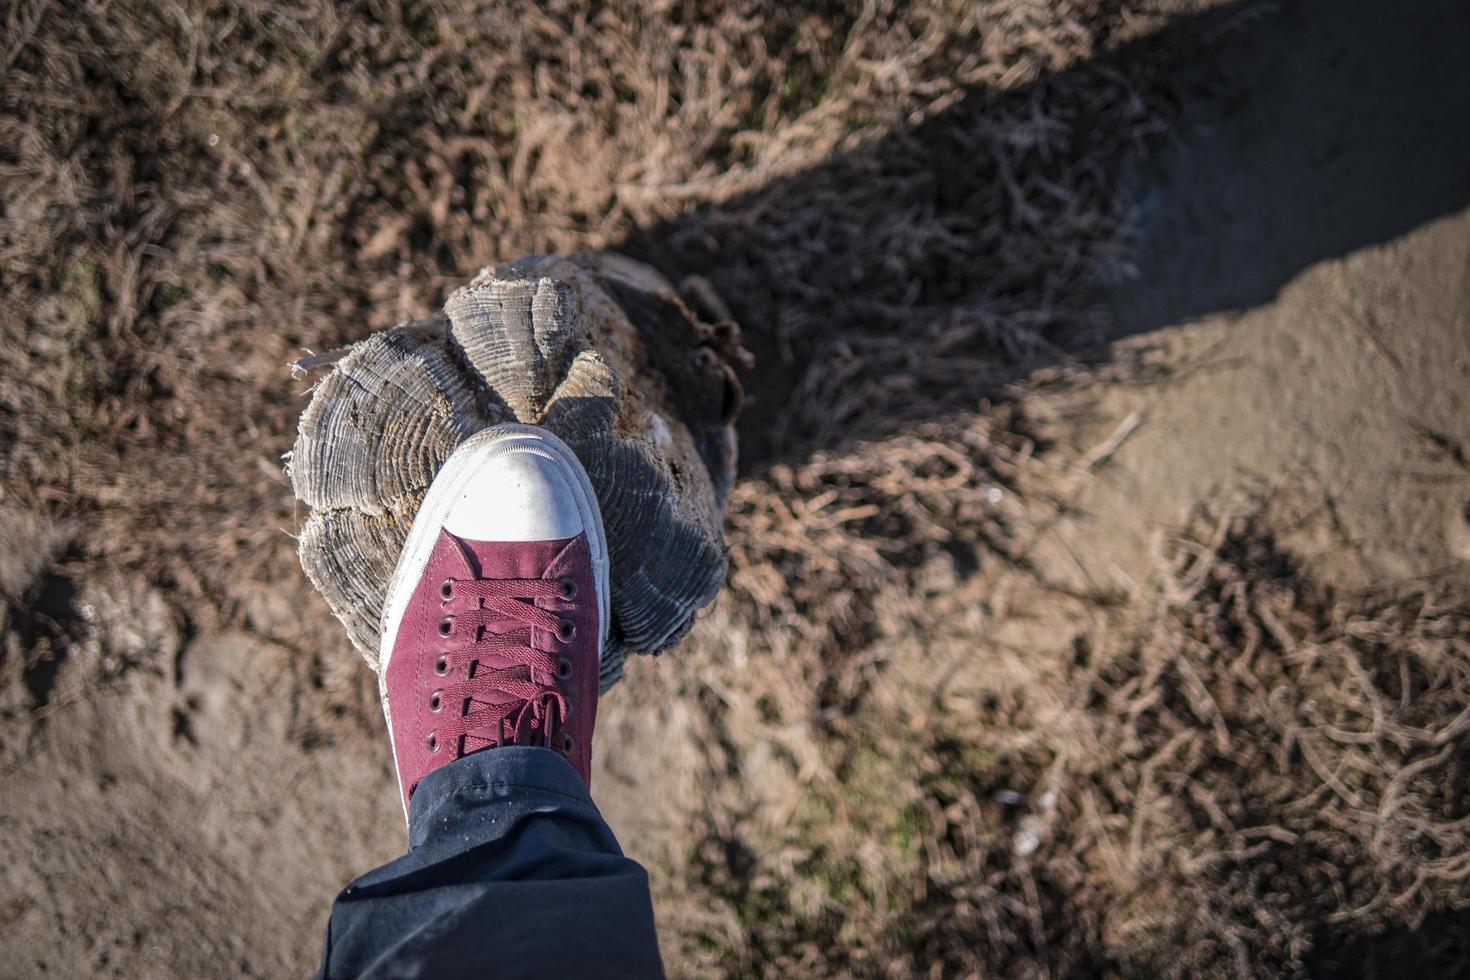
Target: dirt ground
{"x":1100,"y":562}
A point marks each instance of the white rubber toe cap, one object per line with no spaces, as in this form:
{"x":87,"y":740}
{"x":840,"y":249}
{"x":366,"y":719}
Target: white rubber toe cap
{"x":519,"y":494}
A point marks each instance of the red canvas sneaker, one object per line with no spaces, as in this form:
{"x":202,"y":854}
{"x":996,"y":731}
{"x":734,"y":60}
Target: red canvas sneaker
{"x":497,"y":613}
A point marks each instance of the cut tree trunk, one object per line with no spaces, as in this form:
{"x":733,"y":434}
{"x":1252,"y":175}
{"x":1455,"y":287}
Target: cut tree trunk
{"x":597,"y":348}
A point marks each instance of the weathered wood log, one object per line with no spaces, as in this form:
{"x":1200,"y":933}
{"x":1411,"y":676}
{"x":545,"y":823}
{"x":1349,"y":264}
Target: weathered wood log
{"x":597,"y":348}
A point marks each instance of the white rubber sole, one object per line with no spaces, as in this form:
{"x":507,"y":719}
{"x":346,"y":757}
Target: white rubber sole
{"x":475,"y":452}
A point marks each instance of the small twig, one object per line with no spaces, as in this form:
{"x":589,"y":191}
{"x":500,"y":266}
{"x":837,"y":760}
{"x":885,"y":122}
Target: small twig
{"x":1104,"y":450}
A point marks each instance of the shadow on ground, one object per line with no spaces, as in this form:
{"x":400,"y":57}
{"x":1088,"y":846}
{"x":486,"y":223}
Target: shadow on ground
{"x":1300,"y":132}
{"x":1439,"y":947}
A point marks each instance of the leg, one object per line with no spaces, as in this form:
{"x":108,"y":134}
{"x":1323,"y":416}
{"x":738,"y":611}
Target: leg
{"x":510,"y":869}
{"x":492,"y":637}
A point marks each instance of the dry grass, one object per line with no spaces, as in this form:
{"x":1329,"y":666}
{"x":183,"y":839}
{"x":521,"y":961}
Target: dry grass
{"x":1254,"y":777}
{"x":906,"y":207}
{"x":192,"y":195}
{"x":1281,"y":767}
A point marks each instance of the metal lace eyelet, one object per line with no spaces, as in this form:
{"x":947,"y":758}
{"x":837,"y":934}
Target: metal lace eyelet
{"x":441,"y":666}
{"x":433,"y":742}
{"x":446,"y":589}
{"x":566,"y":631}
{"x":567,"y":744}
{"x":446,"y":626}
{"x":568,"y":588}
{"x":563,"y":669}
{"x":436,"y":702}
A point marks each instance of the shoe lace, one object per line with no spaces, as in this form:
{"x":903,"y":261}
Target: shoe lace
{"x":510,"y":693}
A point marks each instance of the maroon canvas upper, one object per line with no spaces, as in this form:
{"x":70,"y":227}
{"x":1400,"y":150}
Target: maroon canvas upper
{"x":483,"y":654}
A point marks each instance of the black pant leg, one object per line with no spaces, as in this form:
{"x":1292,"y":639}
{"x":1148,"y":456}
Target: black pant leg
{"x":511,"y":872}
